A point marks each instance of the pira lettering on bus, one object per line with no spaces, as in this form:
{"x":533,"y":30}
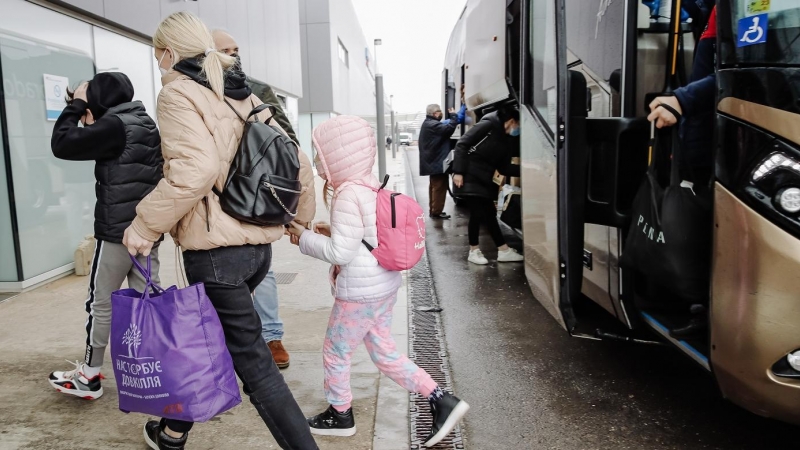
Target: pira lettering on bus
{"x":650,"y":231}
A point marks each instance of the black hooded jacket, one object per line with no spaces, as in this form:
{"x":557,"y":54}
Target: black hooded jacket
{"x":493,"y":150}
{"x":124,"y":143}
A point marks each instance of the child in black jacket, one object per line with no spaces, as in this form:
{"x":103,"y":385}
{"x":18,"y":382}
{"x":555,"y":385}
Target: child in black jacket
{"x":123,"y":140}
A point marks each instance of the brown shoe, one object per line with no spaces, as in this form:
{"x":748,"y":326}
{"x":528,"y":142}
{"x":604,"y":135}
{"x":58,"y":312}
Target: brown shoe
{"x":279,"y":354}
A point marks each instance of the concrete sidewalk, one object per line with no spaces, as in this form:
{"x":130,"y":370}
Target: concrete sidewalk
{"x":41,"y":328}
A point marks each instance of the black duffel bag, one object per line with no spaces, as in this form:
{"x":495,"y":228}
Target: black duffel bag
{"x":669,"y":240}
{"x":512,"y":214}
{"x":263,"y":186}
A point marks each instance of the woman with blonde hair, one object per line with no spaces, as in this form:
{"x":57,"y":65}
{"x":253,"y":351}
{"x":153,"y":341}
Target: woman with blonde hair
{"x":199,"y":138}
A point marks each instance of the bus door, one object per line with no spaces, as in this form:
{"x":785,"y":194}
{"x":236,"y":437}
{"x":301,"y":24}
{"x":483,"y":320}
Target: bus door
{"x":541,"y":144}
{"x":602,"y":52}
{"x":558,"y":140}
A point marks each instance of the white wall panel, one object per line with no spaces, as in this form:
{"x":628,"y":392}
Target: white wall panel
{"x":140,"y":15}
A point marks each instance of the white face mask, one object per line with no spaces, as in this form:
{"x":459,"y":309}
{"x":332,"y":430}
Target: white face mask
{"x":320,"y":170}
{"x":161,"y":69}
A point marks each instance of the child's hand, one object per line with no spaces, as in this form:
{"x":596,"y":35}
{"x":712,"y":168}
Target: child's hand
{"x":322,"y":228}
{"x":294,"y":239}
{"x":80,"y":92}
{"x":295,"y":229}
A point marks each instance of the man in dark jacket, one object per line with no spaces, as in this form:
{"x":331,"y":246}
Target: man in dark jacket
{"x":265,"y":297}
{"x":434,"y":145}
{"x":227,"y":44}
{"x":694,"y":104}
{"x":124,"y":142}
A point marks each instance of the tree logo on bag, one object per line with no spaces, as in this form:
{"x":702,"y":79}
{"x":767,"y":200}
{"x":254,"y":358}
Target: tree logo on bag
{"x":141,"y":373}
{"x":133,"y":339}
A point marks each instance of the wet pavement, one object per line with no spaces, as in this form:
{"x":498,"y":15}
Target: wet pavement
{"x":532,"y":386}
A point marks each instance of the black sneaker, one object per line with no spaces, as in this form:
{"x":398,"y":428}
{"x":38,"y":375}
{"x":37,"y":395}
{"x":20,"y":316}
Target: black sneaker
{"x":447,"y":412}
{"x":74,"y":382}
{"x":697,"y":327}
{"x":333,"y":423}
{"x":440,"y":216}
{"x":155,"y":437}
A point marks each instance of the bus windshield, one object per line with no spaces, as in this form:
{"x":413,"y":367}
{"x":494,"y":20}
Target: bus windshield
{"x":782,"y":45}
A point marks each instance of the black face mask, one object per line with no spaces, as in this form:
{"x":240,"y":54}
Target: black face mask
{"x":236,"y":86}
{"x":238,"y":64}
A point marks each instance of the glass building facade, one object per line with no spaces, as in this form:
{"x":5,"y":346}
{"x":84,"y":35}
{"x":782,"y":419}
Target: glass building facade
{"x":46,"y":204}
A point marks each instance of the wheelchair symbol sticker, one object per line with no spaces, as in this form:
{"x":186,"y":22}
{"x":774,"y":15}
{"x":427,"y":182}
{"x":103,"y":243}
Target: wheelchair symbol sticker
{"x":752,"y":30}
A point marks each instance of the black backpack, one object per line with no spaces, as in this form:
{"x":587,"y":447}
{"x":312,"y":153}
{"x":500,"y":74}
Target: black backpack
{"x":263,"y":186}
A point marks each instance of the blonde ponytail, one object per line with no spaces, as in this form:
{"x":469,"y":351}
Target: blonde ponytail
{"x":188,"y":37}
{"x":214,"y":73}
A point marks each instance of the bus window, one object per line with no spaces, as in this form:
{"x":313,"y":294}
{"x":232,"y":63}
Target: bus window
{"x":783,"y":33}
{"x":542,"y":57}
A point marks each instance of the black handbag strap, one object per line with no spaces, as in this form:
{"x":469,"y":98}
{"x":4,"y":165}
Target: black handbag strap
{"x":474,"y":148}
{"x":675,"y":163}
{"x":671,"y":110}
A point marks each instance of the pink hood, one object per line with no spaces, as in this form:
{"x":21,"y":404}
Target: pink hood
{"x":346,"y":148}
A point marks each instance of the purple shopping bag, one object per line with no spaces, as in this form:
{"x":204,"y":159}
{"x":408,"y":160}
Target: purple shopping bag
{"x":169,"y":353}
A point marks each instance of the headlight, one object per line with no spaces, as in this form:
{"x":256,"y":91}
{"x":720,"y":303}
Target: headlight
{"x":773,"y":162}
{"x":789,"y":199}
{"x":794,"y":360}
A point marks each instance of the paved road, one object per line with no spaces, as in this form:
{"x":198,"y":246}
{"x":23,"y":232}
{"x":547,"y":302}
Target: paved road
{"x":531,"y":386}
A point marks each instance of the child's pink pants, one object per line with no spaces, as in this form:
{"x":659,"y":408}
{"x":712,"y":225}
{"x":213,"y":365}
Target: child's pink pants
{"x":349,"y":325}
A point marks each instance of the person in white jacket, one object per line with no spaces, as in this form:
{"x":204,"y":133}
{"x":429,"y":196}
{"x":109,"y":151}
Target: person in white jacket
{"x":364,"y":292}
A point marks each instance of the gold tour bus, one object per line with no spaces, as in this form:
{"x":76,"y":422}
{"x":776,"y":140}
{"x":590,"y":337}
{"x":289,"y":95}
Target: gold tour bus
{"x":582,"y":74}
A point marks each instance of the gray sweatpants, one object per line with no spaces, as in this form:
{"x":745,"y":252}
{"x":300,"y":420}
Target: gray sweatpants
{"x":110,"y":266}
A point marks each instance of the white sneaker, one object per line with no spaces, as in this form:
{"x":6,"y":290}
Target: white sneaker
{"x":74,"y":382}
{"x":509,"y":255}
{"x":476,"y":257}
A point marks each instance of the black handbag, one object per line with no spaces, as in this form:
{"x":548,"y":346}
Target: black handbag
{"x":447,"y":165}
{"x":263,"y":186}
{"x":512,"y":215}
{"x":669,"y":239}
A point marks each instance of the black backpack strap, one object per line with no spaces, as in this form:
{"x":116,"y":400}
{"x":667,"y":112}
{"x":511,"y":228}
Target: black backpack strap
{"x":235,"y":111}
{"x":385,"y":182}
{"x":256,"y":110}
{"x":260,"y":108}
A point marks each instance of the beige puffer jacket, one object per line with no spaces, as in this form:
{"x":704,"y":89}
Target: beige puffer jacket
{"x":199,"y":137}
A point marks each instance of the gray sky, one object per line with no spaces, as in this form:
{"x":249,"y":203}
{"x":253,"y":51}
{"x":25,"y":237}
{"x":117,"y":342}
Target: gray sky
{"x":415,"y":35}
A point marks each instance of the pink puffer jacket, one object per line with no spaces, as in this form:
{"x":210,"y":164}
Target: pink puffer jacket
{"x":346,"y":149}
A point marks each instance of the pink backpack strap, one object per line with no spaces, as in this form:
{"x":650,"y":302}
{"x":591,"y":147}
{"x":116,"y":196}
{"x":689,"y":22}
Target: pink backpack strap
{"x":353,"y":183}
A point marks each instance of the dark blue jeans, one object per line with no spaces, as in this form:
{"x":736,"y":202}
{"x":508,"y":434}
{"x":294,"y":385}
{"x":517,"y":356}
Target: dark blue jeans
{"x":230,"y":275}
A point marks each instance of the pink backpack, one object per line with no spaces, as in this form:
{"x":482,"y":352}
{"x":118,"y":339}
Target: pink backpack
{"x":401,"y":230}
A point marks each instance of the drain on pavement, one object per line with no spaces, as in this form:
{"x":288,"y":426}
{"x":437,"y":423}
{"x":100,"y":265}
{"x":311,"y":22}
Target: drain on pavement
{"x":284,"y":278}
{"x":427,"y":349}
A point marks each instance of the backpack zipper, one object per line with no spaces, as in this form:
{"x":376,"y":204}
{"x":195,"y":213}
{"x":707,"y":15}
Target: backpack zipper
{"x":270,"y":185}
{"x":394,"y":214}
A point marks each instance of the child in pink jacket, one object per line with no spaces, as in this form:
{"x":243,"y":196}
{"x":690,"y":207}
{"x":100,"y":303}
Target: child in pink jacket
{"x":364,"y":292}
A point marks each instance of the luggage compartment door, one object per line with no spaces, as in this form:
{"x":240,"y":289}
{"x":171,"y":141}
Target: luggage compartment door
{"x":485,"y":55}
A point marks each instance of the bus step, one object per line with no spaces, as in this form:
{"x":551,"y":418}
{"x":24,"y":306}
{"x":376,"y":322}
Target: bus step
{"x":617,"y":337}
